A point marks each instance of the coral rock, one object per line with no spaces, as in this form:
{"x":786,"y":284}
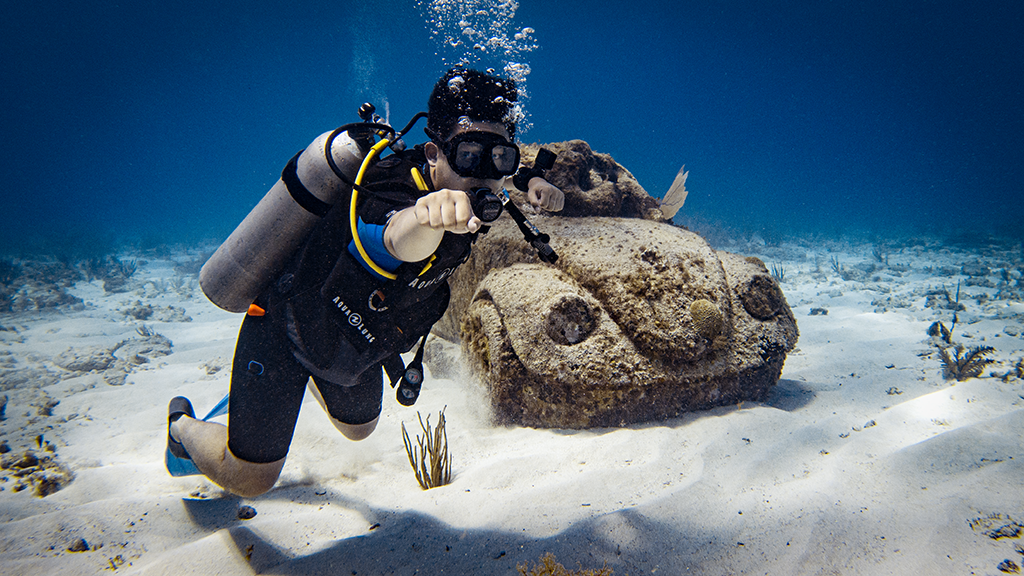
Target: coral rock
{"x":85,"y":359}
{"x":593,"y":183}
{"x":707,"y":318}
{"x":638,"y":320}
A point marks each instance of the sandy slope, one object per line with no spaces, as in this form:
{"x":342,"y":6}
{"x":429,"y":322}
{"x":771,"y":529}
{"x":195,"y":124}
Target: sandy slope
{"x":863,"y":461}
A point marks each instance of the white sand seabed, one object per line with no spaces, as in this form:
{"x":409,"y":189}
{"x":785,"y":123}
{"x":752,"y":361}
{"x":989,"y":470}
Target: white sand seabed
{"x":862,"y":461}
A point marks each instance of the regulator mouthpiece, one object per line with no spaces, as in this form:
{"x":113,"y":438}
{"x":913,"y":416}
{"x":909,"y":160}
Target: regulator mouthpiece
{"x":486,"y":204}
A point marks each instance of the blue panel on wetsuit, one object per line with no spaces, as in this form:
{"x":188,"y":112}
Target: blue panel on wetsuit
{"x":372,"y":237}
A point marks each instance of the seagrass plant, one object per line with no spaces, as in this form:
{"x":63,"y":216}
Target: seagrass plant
{"x":964,"y":363}
{"x":549,"y":567}
{"x":430,"y":460}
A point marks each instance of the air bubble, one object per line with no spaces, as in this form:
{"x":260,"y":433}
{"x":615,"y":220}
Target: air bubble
{"x":480,"y":34}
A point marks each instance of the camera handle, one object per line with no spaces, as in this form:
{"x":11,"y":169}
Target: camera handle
{"x":533,"y":236}
{"x":544,"y":161}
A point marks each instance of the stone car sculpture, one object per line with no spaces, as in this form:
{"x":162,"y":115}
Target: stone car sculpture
{"x":638,"y":319}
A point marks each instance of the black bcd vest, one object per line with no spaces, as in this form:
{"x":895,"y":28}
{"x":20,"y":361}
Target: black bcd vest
{"x":329,"y":295}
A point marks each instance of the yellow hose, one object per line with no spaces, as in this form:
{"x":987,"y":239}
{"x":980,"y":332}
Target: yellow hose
{"x":353,"y":219}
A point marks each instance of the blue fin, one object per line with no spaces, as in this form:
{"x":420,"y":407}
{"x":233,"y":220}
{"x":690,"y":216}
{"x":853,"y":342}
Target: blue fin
{"x":184,"y":466}
{"x":220,"y":409}
{"x":179,"y":466}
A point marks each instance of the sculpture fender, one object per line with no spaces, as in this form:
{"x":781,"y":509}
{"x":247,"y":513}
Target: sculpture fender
{"x":257,"y":251}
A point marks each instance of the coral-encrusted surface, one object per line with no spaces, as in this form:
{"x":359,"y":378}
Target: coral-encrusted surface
{"x":638,"y":320}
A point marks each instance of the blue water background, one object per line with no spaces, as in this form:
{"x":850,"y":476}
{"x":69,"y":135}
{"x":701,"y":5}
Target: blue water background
{"x":145,"y":122}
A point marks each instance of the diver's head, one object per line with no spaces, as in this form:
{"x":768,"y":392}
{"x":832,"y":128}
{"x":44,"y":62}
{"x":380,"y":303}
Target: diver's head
{"x":471,"y":126}
{"x":465,"y":93}
{"x":478,"y":154}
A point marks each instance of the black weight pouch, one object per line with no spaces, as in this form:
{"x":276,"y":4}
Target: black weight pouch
{"x":374,"y":318}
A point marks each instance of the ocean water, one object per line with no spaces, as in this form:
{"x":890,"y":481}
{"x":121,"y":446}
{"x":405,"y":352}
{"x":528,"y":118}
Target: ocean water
{"x":819,"y":135}
{"x":145,"y":123}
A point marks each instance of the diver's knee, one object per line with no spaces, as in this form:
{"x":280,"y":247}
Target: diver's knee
{"x":253,"y":479}
{"x":256,"y":484}
{"x":253,"y":487}
{"x":356,"y":432}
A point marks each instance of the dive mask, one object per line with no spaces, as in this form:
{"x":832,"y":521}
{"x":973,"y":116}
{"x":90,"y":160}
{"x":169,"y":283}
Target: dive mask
{"x":483,"y":155}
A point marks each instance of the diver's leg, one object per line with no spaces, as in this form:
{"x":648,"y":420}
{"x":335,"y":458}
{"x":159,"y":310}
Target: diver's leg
{"x":354,"y":410}
{"x":351,"y":431}
{"x":267,"y":385}
{"x":207,"y":444}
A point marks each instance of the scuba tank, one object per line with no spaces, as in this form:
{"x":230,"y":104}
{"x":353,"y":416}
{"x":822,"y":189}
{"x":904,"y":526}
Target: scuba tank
{"x":257,"y":251}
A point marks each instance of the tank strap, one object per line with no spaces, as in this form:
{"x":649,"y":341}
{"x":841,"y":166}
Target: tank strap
{"x":302,"y":196}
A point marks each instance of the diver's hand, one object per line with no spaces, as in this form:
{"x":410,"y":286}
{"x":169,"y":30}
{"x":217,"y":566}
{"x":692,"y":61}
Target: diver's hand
{"x":543,"y":194}
{"x":448,"y":210}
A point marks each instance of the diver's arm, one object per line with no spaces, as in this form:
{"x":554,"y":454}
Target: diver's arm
{"x":415,"y":232}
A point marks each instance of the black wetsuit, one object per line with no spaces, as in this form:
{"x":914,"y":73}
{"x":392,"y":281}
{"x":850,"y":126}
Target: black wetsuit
{"x":330,"y":318}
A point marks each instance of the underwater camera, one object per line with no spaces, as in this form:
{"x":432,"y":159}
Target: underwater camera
{"x":487,"y":206}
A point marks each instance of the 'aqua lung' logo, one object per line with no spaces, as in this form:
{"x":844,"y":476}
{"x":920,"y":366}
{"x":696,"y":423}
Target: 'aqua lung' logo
{"x":354,"y":319}
{"x":421,"y":284}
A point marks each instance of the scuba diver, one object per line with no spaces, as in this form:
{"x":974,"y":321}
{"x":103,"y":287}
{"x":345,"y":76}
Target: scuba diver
{"x":343,"y":266}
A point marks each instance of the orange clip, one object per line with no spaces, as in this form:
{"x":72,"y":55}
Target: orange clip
{"x":255,"y":310}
